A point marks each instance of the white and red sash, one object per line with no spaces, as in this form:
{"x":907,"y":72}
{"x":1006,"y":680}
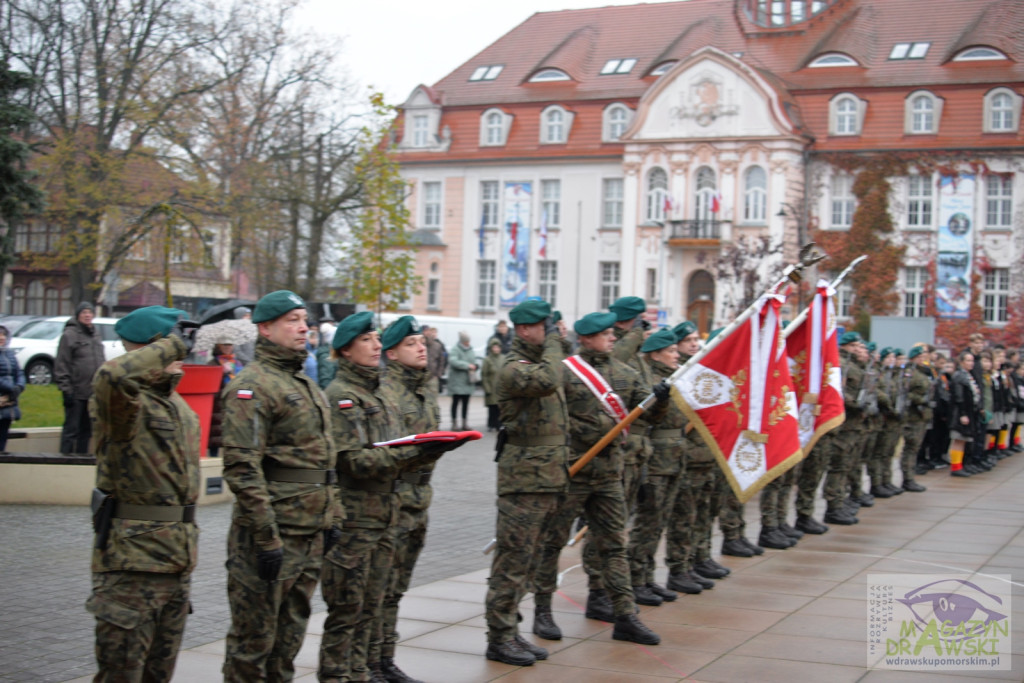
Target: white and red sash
{"x":599,"y":387}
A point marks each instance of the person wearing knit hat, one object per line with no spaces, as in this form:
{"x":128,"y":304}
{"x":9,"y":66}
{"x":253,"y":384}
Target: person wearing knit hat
{"x":147,"y":484}
{"x":79,"y":355}
{"x":280,"y":462}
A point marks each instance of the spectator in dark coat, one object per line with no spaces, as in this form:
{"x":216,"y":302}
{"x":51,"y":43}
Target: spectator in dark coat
{"x":12,"y":383}
{"x":502,"y":335}
{"x":437,"y":355}
{"x":79,"y":356}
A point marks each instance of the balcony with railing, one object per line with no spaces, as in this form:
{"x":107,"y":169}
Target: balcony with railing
{"x":698,"y":232}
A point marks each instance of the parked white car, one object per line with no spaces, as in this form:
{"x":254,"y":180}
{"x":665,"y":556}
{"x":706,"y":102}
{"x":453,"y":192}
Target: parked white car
{"x":35,"y":345}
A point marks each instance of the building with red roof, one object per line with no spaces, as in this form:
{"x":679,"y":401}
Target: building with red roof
{"x":588,"y":154}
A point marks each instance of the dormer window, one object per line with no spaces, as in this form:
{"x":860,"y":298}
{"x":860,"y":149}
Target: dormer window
{"x":846,"y":114}
{"x":545,"y":75}
{"x":617,"y":66}
{"x":1002,"y":111}
{"x":909,"y":50}
{"x":555,"y":123}
{"x":494,"y":126}
{"x":616,"y":120}
{"x":420,"y":130}
{"x":486,"y":73}
{"x":923,"y":111}
{"x":662,"y":68}
{"x":833,"y":59}
{"x":977,"y":54}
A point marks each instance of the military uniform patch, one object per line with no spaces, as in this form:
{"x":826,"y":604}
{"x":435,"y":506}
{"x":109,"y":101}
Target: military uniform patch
{"x":244,"y":393}
{"x":345,"y":403}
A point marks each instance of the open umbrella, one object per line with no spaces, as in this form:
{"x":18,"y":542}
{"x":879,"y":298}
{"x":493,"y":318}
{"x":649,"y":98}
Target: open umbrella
{"x":237,"y":332}
{"x":224,"y":311}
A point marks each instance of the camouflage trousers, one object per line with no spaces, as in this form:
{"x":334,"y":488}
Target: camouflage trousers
{"x":880,"y":460}
{"x":140,"y":618}
{"x":522,"y":520}
{"x":354,"y":580}
{"x":844,"y":449}
{"x":410,"y":536}
{"x":861,"y":460}
{"x":812,"y":469}
{"x":605,"y":510}
{"x":268,"y":619}
{"x":593,"y":564}
{"x":775,"y":499}
{"x":652,"y":514}
{"x":730,"y":510}
{"x":688,"y":530}
{"x":913,"y":437}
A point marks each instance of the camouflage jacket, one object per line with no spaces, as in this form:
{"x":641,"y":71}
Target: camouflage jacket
{"x":147,"y":453}
{"x":413,"y":393}
{"x":890,"y":385}
{"x":588,"y":421}
{"x":919,"y":394}
{"x":667,"y":456}
{"x":275,"y":415}
{"x":637,"y":448}
{"x":361,"y":416}
{"x":853,"y":379}
{"x":533,"y":411}
{"x":696,"y":450}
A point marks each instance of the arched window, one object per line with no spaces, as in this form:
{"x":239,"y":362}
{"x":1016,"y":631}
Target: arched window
{"x":550,"y":75}
{"x":555,"y":125}
{"x":833,"y":59}
{"x":1001,"y":116}
{"x":755,"y":195}
{"x":495,"y":129}
{"x":34,"y":300}
{"x":657,"y":194}
{"x":616,"y":120}
{"x":846,"y":116}
{"x":923,"y":112}
{"x":706,"y":189}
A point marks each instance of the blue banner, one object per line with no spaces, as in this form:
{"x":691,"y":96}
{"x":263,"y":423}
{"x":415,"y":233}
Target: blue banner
{"x":956,"y":246}
{"x":516,"y":251}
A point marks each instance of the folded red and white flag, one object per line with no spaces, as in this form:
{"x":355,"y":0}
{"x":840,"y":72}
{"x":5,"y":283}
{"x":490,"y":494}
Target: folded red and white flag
{"x":431,"y":437}
{"x":741,"y":400}
{"x":813,"y":351}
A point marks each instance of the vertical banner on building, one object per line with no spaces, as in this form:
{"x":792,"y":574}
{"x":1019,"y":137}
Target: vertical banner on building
{"x":956,"y":246}
{"x":516,"y":252}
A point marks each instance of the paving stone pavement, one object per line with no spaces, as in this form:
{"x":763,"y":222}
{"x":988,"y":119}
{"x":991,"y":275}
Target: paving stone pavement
{"x":47,"y":636}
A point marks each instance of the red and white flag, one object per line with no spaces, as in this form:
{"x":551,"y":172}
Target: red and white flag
{"x":741,"y":399}
{"x":542,"y":251}
{"x":813,"y":351}
{"x":668,"y":205}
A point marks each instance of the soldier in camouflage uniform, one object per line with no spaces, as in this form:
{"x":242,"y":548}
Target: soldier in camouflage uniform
{"x":849,"y":437}
{"x":918,"y":415}
{"x":598,"y":488}
{"x":664,"y":470}
{"x":147,"y":460}
{"x":532,"y":477}
{"x":892,"y":407}
{"x":279,"y":462}
{"x":357,"y":567}
{"x":875,"y":402}
{"x":407,"y":385}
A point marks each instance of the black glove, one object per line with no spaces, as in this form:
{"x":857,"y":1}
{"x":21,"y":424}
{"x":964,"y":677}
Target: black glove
{"x":185,"y":330}
{"x":268,"y":564}
{"x":662,"y":390}
{"x":331,"y":537}
{"x":549,"y":326}
{"x":438,"y":448}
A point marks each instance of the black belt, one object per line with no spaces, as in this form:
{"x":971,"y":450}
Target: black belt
{"x":416,"y":477}
{"x":666,"y":433}
{"x":299,"y":475}
{"x":156,"y":513}
{"x":527,"y":441}
{"x":369,"y":485}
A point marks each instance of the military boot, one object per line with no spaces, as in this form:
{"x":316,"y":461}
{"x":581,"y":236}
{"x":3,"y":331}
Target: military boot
{"x":544,"y":625}
{"x":392,"y":674}
{"x":840,"y":516}
{"x":599,"y":606}
{"x":510,"y":652}
{"x":629,"y":627}
{"x":752,"y":547}
{"x":913,"y":486}
{"x":809,"y":525}
{"x":376,"y":675}
{"x":790,"y":531}
{"x":702,"y":581}
{"x":736,"y":548}
{"x":683,"y":583}
{"x":880,"y":491}
{"x":710,"y":569}
{"x":771,"y":537}
{"x":642,"y":595}
{"x":537,"y":651}
{"x":665,"y":594}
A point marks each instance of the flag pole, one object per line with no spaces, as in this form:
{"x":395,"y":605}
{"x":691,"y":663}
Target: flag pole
{"x":835,"y":283}
{"x":792,"y":273}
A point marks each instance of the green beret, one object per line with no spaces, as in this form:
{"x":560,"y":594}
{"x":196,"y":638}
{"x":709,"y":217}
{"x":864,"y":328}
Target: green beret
{"x":885,"y":352}
{"x":714,"y":333}
{"x":399,"y":330}
{"x":592,"y":323}
{"x":871,"y":346}
{"x":148,"y":324}
{"x":898,"y":352}
{"x":530,"y":312}
{"x":850,"y":337}
{"x":556,"y":316}
{"x":276,"y":304}
{"x":684,"y":330}
{"x":627,"y":308}
{"x":351,"y":327}
{"x":915,"y":352}
{"x":659,"y":340}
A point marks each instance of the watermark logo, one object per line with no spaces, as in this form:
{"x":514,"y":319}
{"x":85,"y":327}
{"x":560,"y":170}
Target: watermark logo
{"x":947,"y":622}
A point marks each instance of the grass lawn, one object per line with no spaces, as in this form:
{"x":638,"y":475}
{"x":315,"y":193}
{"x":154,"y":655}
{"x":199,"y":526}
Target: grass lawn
{"x":41,"y":406}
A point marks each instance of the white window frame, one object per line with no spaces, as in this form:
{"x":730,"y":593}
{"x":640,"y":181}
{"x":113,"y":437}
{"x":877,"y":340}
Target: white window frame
{"x":548,"y":75}
{"x":555,"y":125}
{"x":434,"y":293}
{"x":486,"y":73}
{"x":920,"y":202}
{"x":832,"y":59}
{"x":551,"y":201}
{"x":842,"y":201}
{"x":655,"y":191}
{"x":921,"y":121}
{"x":755,"y":197}
{"x":705,"y":183}
{"x":1009,"y":116}
{"x":433,"y":191}
{"x":845,"y":298}
{"x":608,"y":288}
{"x":914,"y":302}
{"x":547,"y":281}
{"x":979,"y":53}
{"x":995,"y":296}
{"x":617,"y":118}
{"x":617,"y":66}
{"x":420,"y":130}
{"x":612,"y":198}
{"x":999,"y":202}
{"x":494,"y":127}
{"x":487,"y":284}
{"x":663,"y":68}
{"x":846,"y":114}
{"x":490,"y":197}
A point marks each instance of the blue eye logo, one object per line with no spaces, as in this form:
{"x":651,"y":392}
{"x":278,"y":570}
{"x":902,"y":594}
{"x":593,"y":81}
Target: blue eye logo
{"x":969,"y":616}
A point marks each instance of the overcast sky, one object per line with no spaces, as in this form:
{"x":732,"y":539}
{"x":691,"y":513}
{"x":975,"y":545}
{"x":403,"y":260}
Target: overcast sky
{"x":395,"y":45}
